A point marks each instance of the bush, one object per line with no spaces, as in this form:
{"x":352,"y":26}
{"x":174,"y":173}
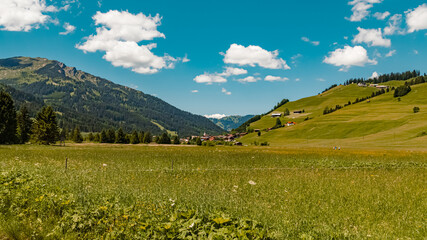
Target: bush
{"x":416,"y":109}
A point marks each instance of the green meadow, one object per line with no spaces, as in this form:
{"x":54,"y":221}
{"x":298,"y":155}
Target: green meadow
{"x":186,"y":192}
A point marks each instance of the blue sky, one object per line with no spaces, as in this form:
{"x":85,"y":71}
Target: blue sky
{"x":222,"y":57}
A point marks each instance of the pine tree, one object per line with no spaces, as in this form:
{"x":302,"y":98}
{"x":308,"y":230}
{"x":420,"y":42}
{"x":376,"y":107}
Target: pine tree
{"x":198,"y":141}
{"x":103,"y":137}
{"x":147,"y":138}
{"x":134,"y":139}
{"x":24,"y":125}
{"x":111,"y":135}
{"x":121,"y":136}
{"x":8,"y":122}
{"x":77,"y":136}
{"x":278,"y":122}
{"x":164,"y":139}
{"x":175,"y":140}
{"x":91,"y":137}
{"x":286,"y":113}
{"x":97,"y":138}
{"x":141,"y":137}
{"x":45,"y":128}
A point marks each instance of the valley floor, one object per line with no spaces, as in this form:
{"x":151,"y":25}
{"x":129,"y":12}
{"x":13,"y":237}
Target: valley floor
{"x":304,"y":192}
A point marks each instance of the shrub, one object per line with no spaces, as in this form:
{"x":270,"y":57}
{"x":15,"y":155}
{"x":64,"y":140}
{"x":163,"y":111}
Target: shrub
{"x":416,"y":109}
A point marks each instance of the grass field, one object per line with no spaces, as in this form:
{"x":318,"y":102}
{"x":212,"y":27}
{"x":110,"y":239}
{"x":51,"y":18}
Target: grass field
{"x":117,"y":191}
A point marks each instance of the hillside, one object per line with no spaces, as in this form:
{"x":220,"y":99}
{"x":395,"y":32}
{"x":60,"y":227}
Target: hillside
{"x":230,"y":122}
{"x":379,"y":121}
{"x":94,"y":103}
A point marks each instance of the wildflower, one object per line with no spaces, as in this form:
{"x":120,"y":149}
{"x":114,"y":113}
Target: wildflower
{"x":252,"y":182}
{"x":191,"y":225}
{"x":104,"y":164}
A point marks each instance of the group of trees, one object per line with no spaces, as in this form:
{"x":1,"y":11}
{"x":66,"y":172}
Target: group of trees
{"x":18,"y":127}
{"x":386,"y":77}
{"x":328,"y":110}
{"x":402,"y":91}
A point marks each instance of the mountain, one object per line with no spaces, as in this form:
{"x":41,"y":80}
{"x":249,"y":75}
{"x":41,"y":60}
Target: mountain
{"x":380,"y":120}
{"x":230,"y":122}
{"x":94,"y":103}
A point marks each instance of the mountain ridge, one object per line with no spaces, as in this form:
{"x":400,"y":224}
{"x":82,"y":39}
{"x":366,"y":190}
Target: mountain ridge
{"x":94,"y":103}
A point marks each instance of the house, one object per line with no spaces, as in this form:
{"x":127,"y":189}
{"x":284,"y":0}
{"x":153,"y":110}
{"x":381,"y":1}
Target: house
{"x":298,"y":112}
{"x":290,"y":123}
{"x":361,"y":84}
{"x":257,"y":130}
{"x":381,"y":87}
{"x":373,"y":85}
{"x":212,"y":139}
{"x":238,"y":143}
{"x":276,"y":115}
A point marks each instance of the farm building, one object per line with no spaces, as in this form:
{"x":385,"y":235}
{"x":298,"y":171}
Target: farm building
{"x":299,"y":111}
{"x":290,"y":123}
{"x":276,"y":115}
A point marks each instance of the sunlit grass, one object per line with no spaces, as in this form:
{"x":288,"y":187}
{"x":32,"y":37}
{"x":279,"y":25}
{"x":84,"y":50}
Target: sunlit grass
{"x":296,"y":193}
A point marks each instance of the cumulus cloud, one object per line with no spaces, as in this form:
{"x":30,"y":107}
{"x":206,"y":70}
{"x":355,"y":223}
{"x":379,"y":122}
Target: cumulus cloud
{"x":209,"y":78}
{"x":360,"y":9}
{"x":270,"y":78}
{"x":216,"y":116}
{"x":394,"y":25}
{"x":230,"y":71}
{"x":254,"y":55}
{"x":382,"y":16}
{"x":185,"y":59}
{"x":306,"y":39}
{"x":416,"y":19}
{"x":68,"y":29}
{"x":374,"y":75}
{"x":118,"y":35}
{"x":23,"y":15}
{"x":194,"y":91}
{"x":223,"y":90}
{"x":372,"y":37}
{"x":391,"y":53}
{"x":349,"y":56}
{"x":249,"y":79}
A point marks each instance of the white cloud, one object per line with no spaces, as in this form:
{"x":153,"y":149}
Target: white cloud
{"x":185,"y":59}
{"x":254,"y":55}
{"x":345,"y":37}
{"x":417,"y":19}
{"x":223,"y":90}
{"x":320,"y":79}
{"x":118,"y":37}
{"x":382,"y":16}
{"x":230,"y":71}
{"x":270,"y":78}
{"x":209,"y":78}
{"x":391,"y":53}
{"x":297,"y":79}
{"x":216,"y":116}
{"x":394,"y":25}
{"x":194,"y":91}
{"x":249,"y":79}
{"x":349,"y":56}
{"x":68,"y":29}
{"x":306,"y":39}
{"x":415,"y":52}
{"x":374,"y":75}
{"x":23,"y":15}
{"x":360,"y":9}
{"x":372,"y":37}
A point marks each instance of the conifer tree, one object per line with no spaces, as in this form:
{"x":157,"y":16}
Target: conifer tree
{"x":121,"y":136}
{"x":103,"y":137}
{"x":7,"y":119}
{"x":164,"y":139}
{"x":45,"y":128}
{"x":147,"y":138}
{"x":77,"y":136}
{"x":24,"y":125}
{"x":134,"y":139}
{"x":141,"y":137}
{"x":111,"y":135}
{"x":175,"y":140}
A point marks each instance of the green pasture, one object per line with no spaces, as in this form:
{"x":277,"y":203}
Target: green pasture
{"x":285,"y":193}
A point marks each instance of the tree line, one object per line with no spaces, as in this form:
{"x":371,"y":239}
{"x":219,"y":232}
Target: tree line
{"x":17,"y":127}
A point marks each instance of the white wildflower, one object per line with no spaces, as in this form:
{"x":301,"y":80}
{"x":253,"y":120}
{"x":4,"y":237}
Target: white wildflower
{"x":192,"y":225}
{"x":104,"y":164}
{"x":252,"y":182}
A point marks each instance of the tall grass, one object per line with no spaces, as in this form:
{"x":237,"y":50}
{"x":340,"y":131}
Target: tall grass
{"x":315,"y":193}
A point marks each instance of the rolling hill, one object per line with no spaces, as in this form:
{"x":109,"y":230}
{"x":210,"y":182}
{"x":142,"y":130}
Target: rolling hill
{"x":230,"y":122}
{"x":93,"y":103}
{"x":383,"y":120}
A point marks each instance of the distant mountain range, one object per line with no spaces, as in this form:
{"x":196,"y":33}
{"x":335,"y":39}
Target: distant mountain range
{"x":230,"y":122}
{"x":93,"y":103}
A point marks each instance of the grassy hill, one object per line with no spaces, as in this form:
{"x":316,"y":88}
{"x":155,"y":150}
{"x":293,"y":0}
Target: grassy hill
{"x":381,"y":121}
{"x":94,"y":103}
